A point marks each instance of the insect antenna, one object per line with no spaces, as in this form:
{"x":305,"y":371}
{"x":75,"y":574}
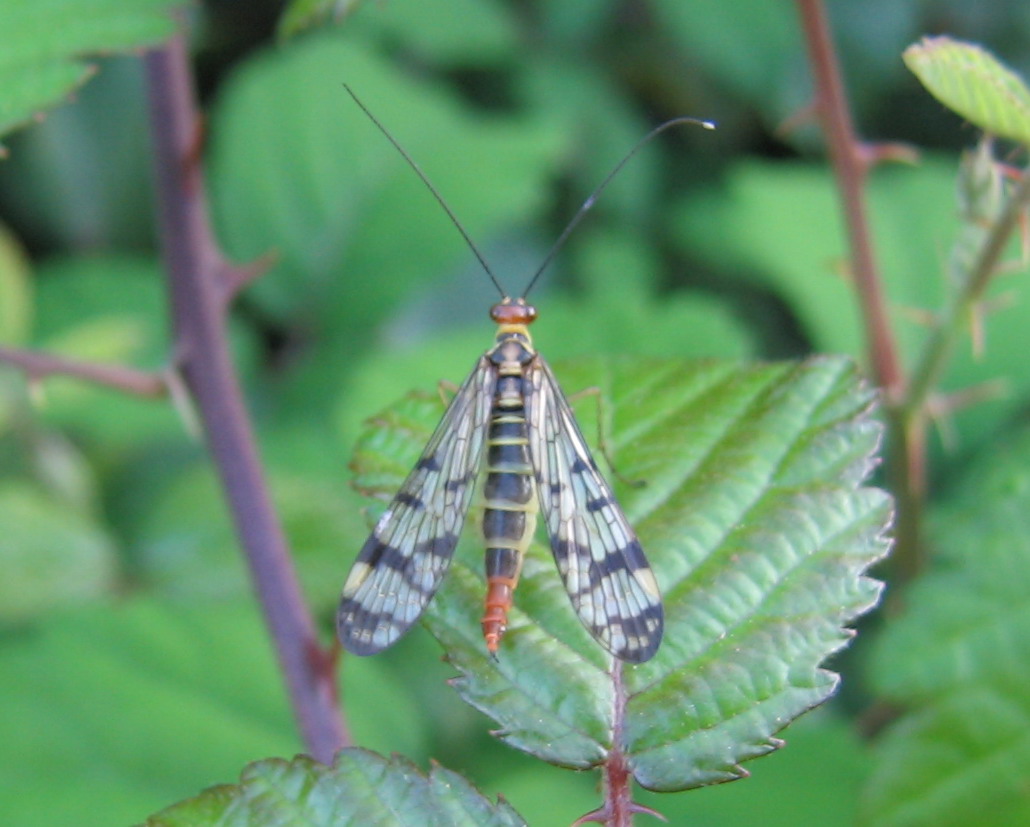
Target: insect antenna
{"x":429,"y":185}
{"x":592,"y":198}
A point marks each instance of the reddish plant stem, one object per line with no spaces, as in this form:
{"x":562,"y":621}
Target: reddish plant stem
{"x":850,"y":161}
{"x":850,"y":166}
{"x":619,"y":807}
{"x":618,"y":790}
{"x":195,"y":269}
{"x":912,"y":412}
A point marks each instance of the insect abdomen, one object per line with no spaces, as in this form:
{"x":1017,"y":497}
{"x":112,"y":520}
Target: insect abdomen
{"x":509,"y":518}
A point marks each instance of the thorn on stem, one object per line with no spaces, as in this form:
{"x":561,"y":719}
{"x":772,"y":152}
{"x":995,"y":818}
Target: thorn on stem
{"x":872,"y":153}
{"x":604,"y":814}
{"x":234,"y":278}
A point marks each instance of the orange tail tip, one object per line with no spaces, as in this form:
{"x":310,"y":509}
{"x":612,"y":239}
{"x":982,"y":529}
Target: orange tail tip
{"x":499,"y":594}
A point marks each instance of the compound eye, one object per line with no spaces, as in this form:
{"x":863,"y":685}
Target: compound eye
{"x":509,"y":312}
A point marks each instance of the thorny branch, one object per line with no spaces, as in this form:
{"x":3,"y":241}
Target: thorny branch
{"x":851,"y":160}
{"x":619,"y":807}
{"x":908,"y":399}
{"x":199,"y":281}
{"x":202,"y":284}
{"x":851,"y":164}
{"x":36,"y":365}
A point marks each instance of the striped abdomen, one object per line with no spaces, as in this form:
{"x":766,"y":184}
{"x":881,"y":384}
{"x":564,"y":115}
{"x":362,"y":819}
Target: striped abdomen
{"x":509,"y":494}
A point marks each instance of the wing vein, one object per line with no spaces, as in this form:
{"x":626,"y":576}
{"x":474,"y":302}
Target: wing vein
{"x":607,"y":577}
{"x":405,"y":558}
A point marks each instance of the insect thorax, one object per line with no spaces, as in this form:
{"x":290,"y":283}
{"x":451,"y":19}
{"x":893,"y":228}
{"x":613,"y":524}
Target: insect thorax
{"x":513,"y":350}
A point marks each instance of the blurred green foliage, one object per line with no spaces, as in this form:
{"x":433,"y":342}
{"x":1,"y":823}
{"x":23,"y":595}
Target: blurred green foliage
{"x":972,"y":82}
{"x":134,"y":667}
{"x":44,"y":44}
{"x":960,"y":660}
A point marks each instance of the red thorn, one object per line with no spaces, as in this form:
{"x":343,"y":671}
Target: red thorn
{"x":871,"y":154}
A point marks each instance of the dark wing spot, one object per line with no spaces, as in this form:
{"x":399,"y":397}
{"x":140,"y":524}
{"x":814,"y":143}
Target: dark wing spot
{"x":633,"y":556}
{"x":645,"y":627}
{"x":428,"y":463}
{"x":410,"y":500}
{"x":391,"y":558}
{"x":459,"y":483}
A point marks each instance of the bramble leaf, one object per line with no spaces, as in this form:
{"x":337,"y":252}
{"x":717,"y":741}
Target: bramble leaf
{"x":42,"y":63}
{"x":136,"y":703}
{"x":298,"y":168}
{"x":359,"y":788}
{"x":758,"y":527}
{"x":959,"y":662}
{"x":972,"y":82}
{"x":51,"y":554}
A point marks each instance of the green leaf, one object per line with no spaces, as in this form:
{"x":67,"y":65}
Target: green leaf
{"x":200,"y":557}
{"x":81,"y":179}
{"x":194,"y":558}
{"x":816,"y":779}
{"x":297,"y":167}
{"x":121,"y":289}
{"x":779,"y":224}
{"x":579,"y":22}
{"x":132,"y":706}
{"x":458,"y":32}
{"x":756,"y":60}
{"x":959,"y":661}
{"x":104,"y":309}
{"x":587,"y":100}
{"x":109,"y":309}
{"x":359,"y":788}
{"x":972,"y":82}
{"x":50,"y":555}
{"x":617,"y":313}
{"x":612,"y":315}
{"x":41,"y":62}
{"x":758,"y":529}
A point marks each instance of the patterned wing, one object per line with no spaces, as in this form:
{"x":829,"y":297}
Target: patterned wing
{"x":400,"y":567}
{"x":604,"y":569}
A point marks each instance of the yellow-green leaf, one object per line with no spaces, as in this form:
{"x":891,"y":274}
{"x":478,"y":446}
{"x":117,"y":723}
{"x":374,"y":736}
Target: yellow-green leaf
{"x":973,"y":83}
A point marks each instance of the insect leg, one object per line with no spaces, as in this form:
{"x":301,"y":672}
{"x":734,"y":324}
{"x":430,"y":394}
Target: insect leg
{"x":602,"y":442}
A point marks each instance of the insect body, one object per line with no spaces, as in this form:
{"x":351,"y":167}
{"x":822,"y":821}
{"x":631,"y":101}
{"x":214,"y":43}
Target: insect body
{"x":536,"y":462}
{"x":536,"y":458}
